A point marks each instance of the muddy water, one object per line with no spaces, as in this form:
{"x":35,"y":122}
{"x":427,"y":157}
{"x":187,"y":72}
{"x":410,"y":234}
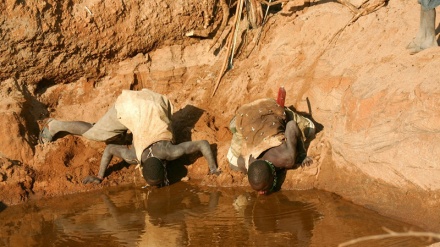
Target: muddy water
{"x":186,"y":215}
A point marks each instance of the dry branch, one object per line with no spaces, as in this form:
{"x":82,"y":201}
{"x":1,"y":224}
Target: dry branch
{"x":364,"y":9}
{"x":360,"y":12}
{"x":225,"y":19}
{"x":391,"y":234}
{"x":254,"y":13}
{"x":264,"y":22}
{"x":229,"y":45}
{"x":274,"y":2}
{"x":349,"y":5}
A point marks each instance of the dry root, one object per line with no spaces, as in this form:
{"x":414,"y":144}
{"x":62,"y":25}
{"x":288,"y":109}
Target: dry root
{"x":392,"y":234}
{"x":365,"y":8}
{"x":225,"y":19}
{"x":254,"y":13}
{"x":255,"y":16}
{"x":229,"y":45}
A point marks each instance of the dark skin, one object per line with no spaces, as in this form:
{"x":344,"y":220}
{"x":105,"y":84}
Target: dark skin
{"x":164,"y":150}
{"x":283,"y":156}
{"x":264,"y":188}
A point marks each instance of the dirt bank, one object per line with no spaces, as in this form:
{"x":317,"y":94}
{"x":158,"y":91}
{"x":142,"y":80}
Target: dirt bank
{"x":377,"y":106}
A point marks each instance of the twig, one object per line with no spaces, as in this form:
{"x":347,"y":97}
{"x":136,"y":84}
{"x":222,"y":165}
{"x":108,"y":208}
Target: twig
{"x":225,"y":19}
{"x":267,"y":11}
{"x":349,"y":5}
{"x":225,"y":62}
{"x":264,"y":22}
{"x":254,"y":13}
{"x":391,"y":234}
{"x":362,"y":12}
{"x":367,"y":10}
{"x":88,"y":10}
{"x":237,"y":28}
{"x":228,"y":48}
{"x":270,"y":3}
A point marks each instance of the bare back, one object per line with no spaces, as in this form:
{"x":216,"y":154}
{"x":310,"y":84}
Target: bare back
{"x":286,"y":154}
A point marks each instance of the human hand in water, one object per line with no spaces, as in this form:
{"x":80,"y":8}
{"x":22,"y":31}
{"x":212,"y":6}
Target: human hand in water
{"x":92,"y":179}
{"x":307,"y":162}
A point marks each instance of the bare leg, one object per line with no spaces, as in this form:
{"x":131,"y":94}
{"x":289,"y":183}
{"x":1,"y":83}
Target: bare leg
{"x":107,"y":127}
{"x":71,"y":127}
{"x":425,"y":37}
{"x":53,"y":127}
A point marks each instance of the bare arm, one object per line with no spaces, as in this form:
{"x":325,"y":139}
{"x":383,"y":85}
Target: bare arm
{"x":295,"y":142}
{"x":166,"y":150}
{"x":121,"y":151}
{"x":286,"y":155}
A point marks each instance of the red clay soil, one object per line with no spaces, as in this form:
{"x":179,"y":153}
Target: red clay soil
{"x":376,"y":106}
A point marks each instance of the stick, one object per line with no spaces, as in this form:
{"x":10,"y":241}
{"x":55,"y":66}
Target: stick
{"x":264,"y":22}
{"x":237,"y":27}
{"x":225,"y":19}
{"x":362,"y":12}
{"x":274,"y":3}
{"x":228,"y":48}
{"x":391,"y":234}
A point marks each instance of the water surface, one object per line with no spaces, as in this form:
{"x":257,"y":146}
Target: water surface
{"x":184,"y":214}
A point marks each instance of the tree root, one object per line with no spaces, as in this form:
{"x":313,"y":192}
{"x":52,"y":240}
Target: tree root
{"x":225,"y":19}
{"x":392,"y":234}
{"x":229,"y":45}
{"x":365,"y":9}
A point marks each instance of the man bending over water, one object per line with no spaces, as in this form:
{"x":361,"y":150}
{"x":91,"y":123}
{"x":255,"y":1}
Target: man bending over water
{"x":268,"y":138}
{"x":147,"y":115}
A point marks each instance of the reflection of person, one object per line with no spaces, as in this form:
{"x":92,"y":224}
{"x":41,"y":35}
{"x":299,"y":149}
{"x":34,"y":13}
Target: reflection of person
{"x":147,"y":115}
{"x":170,"y":205}
{"x":267,"y":138}
{"x":279,"y":215}
{"x":425,"y":37}
{"x":112,"y":214}
{"x":170,"y":212}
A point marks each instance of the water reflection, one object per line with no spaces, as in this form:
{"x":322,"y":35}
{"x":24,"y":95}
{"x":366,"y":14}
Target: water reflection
{"x":187,"y":215}
{"x":103,"y":222}
{"x":277,"y":219}
{"x":169,"y":212}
